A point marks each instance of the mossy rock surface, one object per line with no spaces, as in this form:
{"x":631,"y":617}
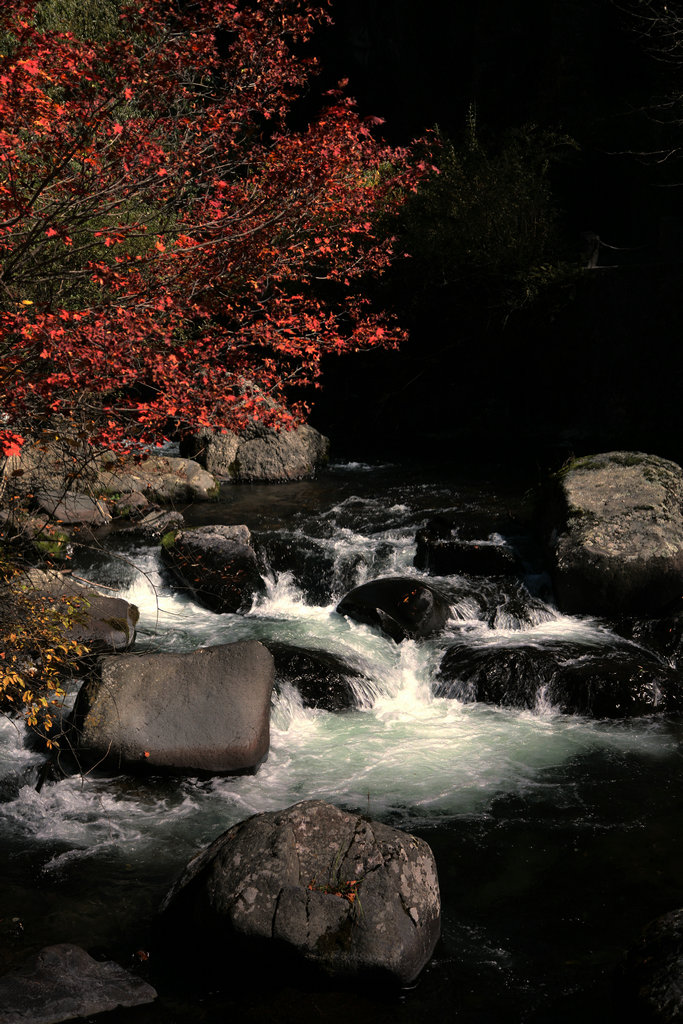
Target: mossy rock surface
{"x":616,"y":534}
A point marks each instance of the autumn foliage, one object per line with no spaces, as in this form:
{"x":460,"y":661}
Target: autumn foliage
{"x":38,"y":649}
{"x":174,"y":253}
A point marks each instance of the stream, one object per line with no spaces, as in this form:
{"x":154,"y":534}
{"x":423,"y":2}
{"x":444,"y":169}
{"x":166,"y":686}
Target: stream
{"x":557,"y":837}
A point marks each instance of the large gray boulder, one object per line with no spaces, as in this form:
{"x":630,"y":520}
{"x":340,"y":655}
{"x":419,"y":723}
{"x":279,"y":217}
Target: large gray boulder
{"x":346,"y":895}
{"x":208,"y":710}
{"x":62,"y":982}
{"x":261,"y":454}
{"x":58,"y":461}
{"x":161,"y":478}
{"x":216,"y":565}
{"x":617,"y":534}
{"x":64,"y":470}
{"x":74,"y":508}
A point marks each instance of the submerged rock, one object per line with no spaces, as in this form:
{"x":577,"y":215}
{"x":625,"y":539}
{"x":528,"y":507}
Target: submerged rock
{"x":617,"y":538}
{"x":401,"y":606}
{"x":441,"y":553}
{"x":663,"y":634}
{"x":216,"y":564}
{"x":324,"y":680}
{"x":309,"y":561}
{"x":617,"y":682}
{"x":208,"y":710}
{"x":345,"y":895}
{"x":63,"y":982}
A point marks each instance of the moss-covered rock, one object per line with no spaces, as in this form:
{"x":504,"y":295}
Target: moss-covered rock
{"x":616,"y":534}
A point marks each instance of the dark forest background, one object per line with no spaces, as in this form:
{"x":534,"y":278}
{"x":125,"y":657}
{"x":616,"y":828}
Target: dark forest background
{"x":546,"y":113}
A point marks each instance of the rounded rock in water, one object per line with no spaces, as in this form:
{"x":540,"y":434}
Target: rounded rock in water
{"x":342,"y":894}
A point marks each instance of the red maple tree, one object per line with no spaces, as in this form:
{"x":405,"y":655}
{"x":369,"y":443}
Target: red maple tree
{"x":172,"y":250}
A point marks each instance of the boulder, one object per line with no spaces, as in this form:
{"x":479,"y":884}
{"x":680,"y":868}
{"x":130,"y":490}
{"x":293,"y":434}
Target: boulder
{"x":161,"y":478}
{"x":401,"y":606}
{"x":17,"y":779}
{"x":324,"y":680}
{"x":617,"y":534}
{"x":347,"y":896}
{"x":216,"y":452}
{"x":156,"y":524}
{"x":216,"y":564}
{"x":621,"y":681}
{"x":511,"y":677}
{"x":260,"y":454}
{"x":208,"y":710}
{"x":102,"y":622}
{"x":74,"y":508}
{"x":56,"y":461}
{"x":440,"y":552}
{"x":653,"y":972}
{"x":62,"y":982}
{"x":131,"y":505}
{"x":509,"y":605}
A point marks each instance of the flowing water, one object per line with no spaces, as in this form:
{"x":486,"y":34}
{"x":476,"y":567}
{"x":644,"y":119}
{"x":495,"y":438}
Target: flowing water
{"x":557,"y":837}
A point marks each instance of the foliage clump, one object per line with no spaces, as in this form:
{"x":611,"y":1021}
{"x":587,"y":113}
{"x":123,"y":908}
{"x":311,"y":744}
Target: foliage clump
{"x":174,"y":253}
{"x":481,"y":227}
{"x":38,"y":652}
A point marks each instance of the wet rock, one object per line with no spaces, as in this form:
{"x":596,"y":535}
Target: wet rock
{"x":13,"y":782}
{"x":653,"y":974}
{"x":310,"y":563}
{"x":216,"y":564}
{"x":624,"y":683}
{"x":400,"y":606}
{"x":63,"y":982}
{"x":441,"y":553}
{"x":620,"y":682}
{"x":617,"y":537}
{"x":260,"y":454}
{"x":324,"y":680}
{"x":511,"y":677}
{"x":208,"y":710}
{"x":344,"y":895}
{"x":662,"y":634}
